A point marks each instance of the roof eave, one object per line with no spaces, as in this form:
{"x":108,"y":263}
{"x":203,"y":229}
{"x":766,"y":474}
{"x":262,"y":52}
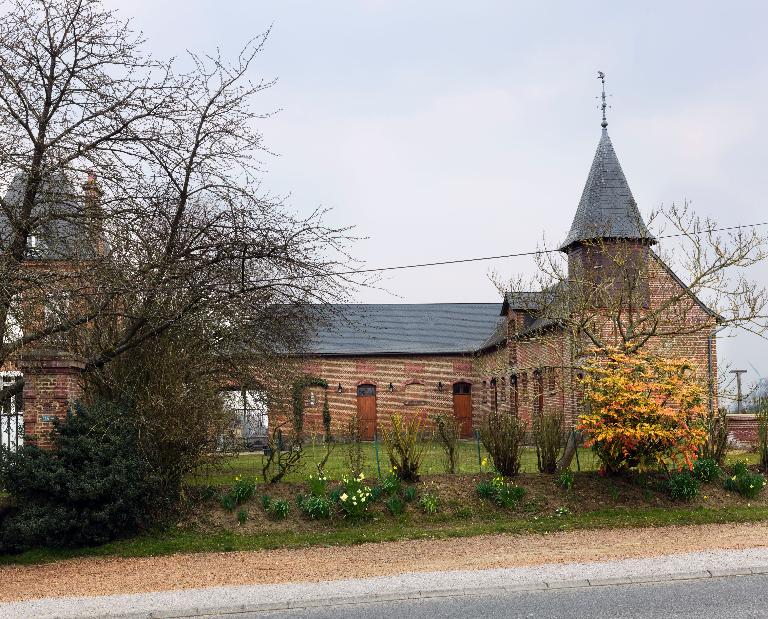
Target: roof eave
{"x":645,"y":240}
{"x":383,"y":354}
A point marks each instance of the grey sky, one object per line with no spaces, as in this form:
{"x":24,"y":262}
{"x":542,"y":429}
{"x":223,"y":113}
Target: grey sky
{"x":451,"y":129}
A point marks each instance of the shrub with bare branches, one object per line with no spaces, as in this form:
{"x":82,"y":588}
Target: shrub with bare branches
{"x":503,"y":436}
{"x":548,"y":434}
{"x":404,"y":445}
{"x":446,"y":434}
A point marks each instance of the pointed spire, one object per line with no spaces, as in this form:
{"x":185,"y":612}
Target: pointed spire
{"x":607,"y":209}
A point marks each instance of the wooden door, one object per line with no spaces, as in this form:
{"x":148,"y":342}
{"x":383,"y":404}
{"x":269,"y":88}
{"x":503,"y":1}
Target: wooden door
{"x":366,"y":411}
{"x":462,"y":408}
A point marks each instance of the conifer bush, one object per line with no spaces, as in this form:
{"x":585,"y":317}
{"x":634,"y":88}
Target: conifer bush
{"x":548,"y":434}
{"x":92,"y":487}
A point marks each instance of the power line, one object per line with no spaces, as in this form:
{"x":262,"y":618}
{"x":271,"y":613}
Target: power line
{"x":419,"y":265}
{"x":537,"y":252}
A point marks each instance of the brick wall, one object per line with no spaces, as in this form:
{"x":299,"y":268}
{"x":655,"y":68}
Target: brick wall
{"x":51,"y":385}
{"x":530,"y":373}
{"x":421,"y":385}
{"x":742,"y":430}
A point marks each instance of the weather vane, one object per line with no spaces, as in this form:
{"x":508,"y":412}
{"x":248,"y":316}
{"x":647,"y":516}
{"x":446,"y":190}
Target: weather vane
{"x":604,"y":105}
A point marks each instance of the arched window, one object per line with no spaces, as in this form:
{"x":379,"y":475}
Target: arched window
{"x":551,"y":380}
{"x":462,"y":388}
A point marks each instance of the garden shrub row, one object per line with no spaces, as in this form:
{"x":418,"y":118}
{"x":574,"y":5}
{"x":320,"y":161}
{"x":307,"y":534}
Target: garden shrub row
{"x":686,"y":485}
{"x":351,"y":499}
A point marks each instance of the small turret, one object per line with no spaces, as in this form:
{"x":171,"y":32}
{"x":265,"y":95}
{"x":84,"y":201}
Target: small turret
{"x":608,"y":237}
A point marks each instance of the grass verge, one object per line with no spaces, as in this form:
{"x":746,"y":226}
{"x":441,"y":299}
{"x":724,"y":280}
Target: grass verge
{"x":171,"y":542}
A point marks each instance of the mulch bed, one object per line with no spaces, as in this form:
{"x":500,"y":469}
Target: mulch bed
{"x":458,"y":499}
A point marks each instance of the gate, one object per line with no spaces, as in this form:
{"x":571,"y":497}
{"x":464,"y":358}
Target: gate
{"x":250,"y":422}
{"x":11,"y":416}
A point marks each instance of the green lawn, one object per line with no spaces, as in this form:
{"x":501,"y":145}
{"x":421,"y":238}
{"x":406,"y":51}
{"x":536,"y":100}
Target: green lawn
{"x":433,"y":462}
{"x":171,"y":541}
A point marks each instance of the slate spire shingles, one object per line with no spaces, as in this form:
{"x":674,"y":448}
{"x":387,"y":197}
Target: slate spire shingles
{"x":607,"y":209}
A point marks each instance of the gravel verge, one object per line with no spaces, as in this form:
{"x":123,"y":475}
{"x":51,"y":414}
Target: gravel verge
{"x":115,"y":575}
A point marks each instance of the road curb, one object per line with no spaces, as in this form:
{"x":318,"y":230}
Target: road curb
{"x":218,"y":610}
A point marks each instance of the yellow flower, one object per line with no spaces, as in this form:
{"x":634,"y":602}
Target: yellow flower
{"x":344,"y":497}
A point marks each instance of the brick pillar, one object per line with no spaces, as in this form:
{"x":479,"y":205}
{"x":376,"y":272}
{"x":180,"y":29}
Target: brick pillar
{"x":51,"y":384}
{"x":742,"y":430}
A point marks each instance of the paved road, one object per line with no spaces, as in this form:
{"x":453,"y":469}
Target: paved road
{"x":709,"y":583}
{"x":735,"y":596}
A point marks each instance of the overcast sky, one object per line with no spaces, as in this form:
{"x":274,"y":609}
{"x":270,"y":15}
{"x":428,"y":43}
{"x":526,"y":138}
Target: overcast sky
{"x":455,"y":129}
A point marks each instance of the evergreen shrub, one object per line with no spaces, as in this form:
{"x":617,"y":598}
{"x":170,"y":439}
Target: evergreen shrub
{"x":92,"y":487}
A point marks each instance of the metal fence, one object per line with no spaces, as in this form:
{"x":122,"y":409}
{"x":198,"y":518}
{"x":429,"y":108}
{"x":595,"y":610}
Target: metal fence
{"x":470,"y":457}
{"x":11,"y":417}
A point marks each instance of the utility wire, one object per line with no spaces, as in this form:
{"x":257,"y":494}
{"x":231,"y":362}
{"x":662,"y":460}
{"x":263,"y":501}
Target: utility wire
{"x":537,"y":252}
{"x":419,"y":265}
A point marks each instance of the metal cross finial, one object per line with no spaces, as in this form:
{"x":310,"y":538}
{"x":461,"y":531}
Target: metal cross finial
{"x":604,"y":105}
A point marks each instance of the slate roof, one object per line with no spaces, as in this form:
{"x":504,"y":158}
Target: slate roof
{"x":607,"y":208}
{"x":62,"y":234}
{"x":529,"y":301}
{"x":429,"y":328}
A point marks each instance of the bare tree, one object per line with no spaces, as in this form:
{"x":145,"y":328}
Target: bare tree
{"x":134,"y":202}
{"x":628,"y":293}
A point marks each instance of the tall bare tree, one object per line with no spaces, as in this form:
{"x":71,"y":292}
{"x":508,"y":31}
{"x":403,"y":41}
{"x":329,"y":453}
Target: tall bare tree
{"x":134,"y":202}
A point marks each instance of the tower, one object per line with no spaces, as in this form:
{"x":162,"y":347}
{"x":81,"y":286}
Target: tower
{"x":607,"y":245}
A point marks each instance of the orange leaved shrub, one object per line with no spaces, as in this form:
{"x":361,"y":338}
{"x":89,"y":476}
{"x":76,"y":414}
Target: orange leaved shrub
{"x":641,"y":411}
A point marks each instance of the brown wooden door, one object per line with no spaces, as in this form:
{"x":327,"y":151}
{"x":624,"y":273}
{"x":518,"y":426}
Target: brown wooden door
{"x":366,"y":411}
{"x":462,"y":408}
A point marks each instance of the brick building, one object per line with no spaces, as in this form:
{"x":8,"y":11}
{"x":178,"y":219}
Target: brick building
{"x":65,"y":242}
{"x":466,"y":359}
{"x":460,"y":359}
